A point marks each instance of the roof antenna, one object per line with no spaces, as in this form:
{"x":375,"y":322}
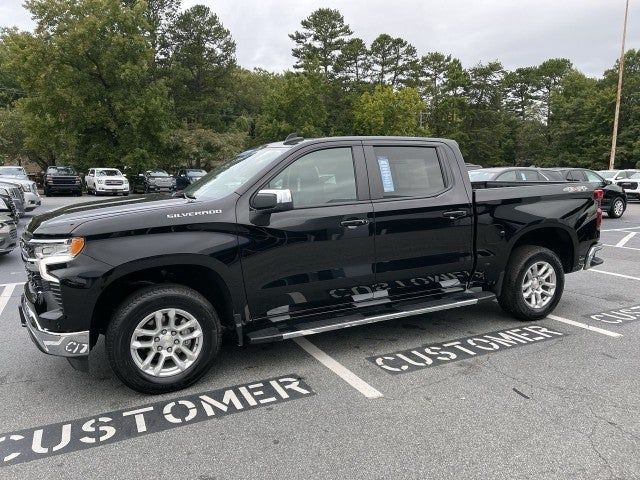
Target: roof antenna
{"x":292,"y":139}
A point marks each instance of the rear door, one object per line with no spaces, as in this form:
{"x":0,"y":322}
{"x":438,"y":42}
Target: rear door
{"x":317,"y":257}
{"x":423,"y":218}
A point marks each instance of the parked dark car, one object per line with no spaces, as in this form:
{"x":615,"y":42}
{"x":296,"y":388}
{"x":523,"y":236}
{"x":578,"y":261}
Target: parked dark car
{"x":614,"y":201}
{"x":514,"y":174}
{"x":187,"y":176}
{"x":297,"y":238}
{"x":62,"y":179}
{"x":8,"y":230}
{"x":153,"y":181}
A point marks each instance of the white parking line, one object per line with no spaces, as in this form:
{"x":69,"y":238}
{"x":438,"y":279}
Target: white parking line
{"x":343,"y":372}
{"x":623,"y":229}
{"x":614,"y":274}
{"x":6,"y":295}
{"x":627,"y":248}
{"x":626,"y":238}
{"x":585,"y":326}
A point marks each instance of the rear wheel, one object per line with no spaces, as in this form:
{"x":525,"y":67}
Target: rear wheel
{"x":533,"y":283}
{"x":617,"y":208}
{"x":163,"y":338}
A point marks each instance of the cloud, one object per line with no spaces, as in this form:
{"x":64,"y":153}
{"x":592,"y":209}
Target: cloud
{"x":518,"y":33}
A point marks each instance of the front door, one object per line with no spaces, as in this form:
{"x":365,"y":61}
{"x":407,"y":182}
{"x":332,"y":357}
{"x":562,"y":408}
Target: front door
{"x":423,"y":219}
{"x":317,"y":257}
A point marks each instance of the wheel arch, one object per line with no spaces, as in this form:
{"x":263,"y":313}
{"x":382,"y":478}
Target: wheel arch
{"x":557,"y":238}
{"x":198,"y":272}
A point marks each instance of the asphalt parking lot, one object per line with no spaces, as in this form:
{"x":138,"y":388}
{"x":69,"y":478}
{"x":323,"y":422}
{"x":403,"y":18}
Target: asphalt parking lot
{"x":554,"y":399}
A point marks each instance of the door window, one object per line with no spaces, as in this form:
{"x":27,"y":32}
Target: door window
{"x":509,"y":176}
{"x":409,"y":171}
{"x":530,"y":176}
{"x":319,"y":178}
{"x":593,"y":177}
{"x":576,"y":176}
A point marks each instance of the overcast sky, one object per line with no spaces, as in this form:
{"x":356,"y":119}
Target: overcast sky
{"x":516,"y":32}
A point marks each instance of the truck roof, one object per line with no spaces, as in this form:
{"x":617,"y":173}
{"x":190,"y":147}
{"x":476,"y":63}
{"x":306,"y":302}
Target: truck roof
{"x":355,"y":138}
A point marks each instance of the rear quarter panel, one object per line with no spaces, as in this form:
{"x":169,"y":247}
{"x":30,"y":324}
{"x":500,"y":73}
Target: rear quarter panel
{"x":504,"y":215}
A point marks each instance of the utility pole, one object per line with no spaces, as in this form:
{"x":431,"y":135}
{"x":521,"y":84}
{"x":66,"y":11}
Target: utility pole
{"x":614,"y":138}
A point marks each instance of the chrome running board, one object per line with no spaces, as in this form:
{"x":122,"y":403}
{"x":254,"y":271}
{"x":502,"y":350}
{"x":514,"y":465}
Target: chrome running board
{"x":312,"y":327}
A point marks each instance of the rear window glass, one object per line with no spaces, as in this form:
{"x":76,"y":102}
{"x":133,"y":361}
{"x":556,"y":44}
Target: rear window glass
{"x":409,"y":171}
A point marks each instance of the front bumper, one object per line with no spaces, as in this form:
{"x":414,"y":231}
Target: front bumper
{"x":112,"y":188}
{"x":31,"y":200}
{"x":70,"y":344}
{"x":591,"y":260}
{"x":53,"y":187}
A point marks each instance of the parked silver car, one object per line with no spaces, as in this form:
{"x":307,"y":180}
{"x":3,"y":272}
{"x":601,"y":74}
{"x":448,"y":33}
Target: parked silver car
{"x":8,"y":229}
{"x":17,"y":175}
{"x":16,"y":194}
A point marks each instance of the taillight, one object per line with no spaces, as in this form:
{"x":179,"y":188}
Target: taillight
{"x":598,"y":194}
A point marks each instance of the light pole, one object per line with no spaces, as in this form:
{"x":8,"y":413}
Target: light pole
{"x":614,"y":138}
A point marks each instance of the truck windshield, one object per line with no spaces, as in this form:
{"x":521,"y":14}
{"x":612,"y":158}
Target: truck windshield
{"x":227,"y":177}
{"x":61,"y":171}
{"x":17,"y":172}
{"x":112,"y":172}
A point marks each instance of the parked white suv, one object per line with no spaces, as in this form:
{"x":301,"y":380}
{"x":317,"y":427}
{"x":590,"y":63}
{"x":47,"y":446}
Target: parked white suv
{"x":18,"y":176}
{"x":106,"y":180}
{"x":629,"y":180}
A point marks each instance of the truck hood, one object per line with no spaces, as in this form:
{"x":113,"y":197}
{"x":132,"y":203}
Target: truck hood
{"x":65,"y":220}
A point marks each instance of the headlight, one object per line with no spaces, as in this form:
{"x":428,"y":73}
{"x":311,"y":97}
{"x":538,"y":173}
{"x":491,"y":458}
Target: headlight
{"x":67,"y":248}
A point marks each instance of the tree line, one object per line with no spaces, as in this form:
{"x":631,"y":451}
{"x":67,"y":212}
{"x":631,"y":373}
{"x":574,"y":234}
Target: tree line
{"x":140,"y":84}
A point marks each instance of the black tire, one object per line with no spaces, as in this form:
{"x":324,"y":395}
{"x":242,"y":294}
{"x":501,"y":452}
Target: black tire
{"x":511,"y":297}
{"x":47,"y":192}
{"x":144,"y":302}
{"x":615,"y":206}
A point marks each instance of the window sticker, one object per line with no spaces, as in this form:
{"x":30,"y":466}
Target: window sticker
{"x":385,"y":172}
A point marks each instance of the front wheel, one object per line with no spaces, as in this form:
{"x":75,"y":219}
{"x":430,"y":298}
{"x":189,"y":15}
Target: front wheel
{"x":617,"y":208}
{"x":533,"y":283}
{"x":163,"y":338}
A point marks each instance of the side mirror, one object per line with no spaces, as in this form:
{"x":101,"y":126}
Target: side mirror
{"x":273,"y":200}
{"x":608,"y":182}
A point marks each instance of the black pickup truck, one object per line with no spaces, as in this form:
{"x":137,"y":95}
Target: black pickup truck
{"x":295,"y":238}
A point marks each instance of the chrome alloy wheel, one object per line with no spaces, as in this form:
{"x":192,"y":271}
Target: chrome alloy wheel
{"x":618,"y":207}
{"x":166,"y":342}
{"x":539,"y":285}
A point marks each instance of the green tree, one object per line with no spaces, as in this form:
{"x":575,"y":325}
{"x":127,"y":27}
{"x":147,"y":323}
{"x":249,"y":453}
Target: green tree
{"x":352,"y":63}
{"x":392,"y":60}
{"x":202,"y":60}
{"x":89,"y":94}
{"x":296,"y":105}
{"x":386,"y":111}
{"x":160,"y":15}
{"x":204,"y":148}
{"x":628,"y":144}
{"x":323,"y":35}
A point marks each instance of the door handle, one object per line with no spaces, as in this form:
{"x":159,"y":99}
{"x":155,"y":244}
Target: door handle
{"x":453,"y":214}
{"x":354,"y":222}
